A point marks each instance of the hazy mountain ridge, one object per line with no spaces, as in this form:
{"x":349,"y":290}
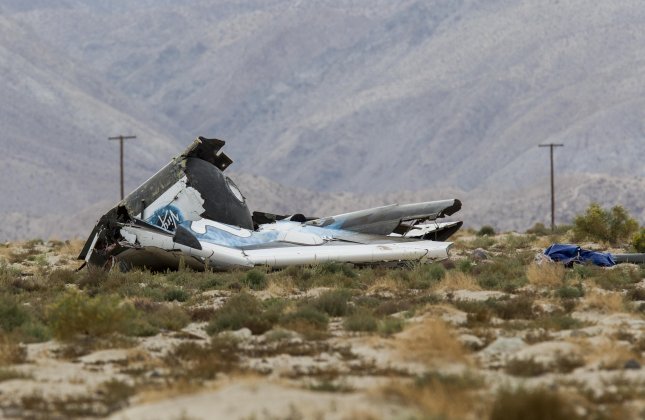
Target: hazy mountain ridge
{"x":56,"y":118}
{"x":376,"y":98}
{"x":504,"y":212}
{"x":367,"y":97}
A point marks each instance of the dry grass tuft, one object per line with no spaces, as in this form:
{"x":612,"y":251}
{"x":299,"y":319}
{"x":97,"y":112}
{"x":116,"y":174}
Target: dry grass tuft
{"x":605,"y":302}
{"x":432,"y":341}
{"x":11,"y":351}
{"x":281,"y":286}
{"x":385,"y":285}
{"x":609,"y":354}
{"x":437,"y":397}
{"x":546,"y":275}
{"x":457,"y":280}
{"x":532,"y":404}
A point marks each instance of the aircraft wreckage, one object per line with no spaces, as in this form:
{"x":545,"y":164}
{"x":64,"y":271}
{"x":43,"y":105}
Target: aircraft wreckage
{"x":191,"y":211}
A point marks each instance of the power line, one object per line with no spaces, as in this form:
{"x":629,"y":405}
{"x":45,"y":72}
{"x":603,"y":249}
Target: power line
{"x":121,"y":138}
{"x":551,"y":146}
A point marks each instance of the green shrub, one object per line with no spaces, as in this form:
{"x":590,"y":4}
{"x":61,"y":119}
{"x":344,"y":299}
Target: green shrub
{"x":176,"y":294}
{"x":520,"y":307}
{"x":306,"y":320}
{"x":301,"y":276}
{"x":34,"y":332}
{"x":12,"y":314}
{"x":333,"y":302}
{"x":336,"y":268}
{"x":465,"y":266}
{"x":92,"y":278}
{"x":514,"y":242}
{"x":389,"y":326}
{"x":505,"y":273}
{"x":598,"y":224}
{"x":361,"y":320}
{"x":241,"y":311}
{"x":255,"y":280}
{"x":17,"y":319}
{"x":583,"y":271}
{"x":423,"y":276}
{"x":570,"y":292}
{"x":76,"y":313}
{"x":168,"y":317}
{"x":638,"y":240}
{"x":486,"y":230}
{"x":60,"y":277}
{"x":8,"y":275}
{"x":617,"y":278}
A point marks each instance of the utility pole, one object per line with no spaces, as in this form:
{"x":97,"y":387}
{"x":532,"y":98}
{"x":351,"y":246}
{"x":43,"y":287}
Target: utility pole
{"x":121,"y":138}
{"x":551,"y":146}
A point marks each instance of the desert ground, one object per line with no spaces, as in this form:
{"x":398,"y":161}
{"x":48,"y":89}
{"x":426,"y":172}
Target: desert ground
{"x":488,"y":333}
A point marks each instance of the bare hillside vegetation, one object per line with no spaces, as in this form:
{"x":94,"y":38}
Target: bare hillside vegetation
{"x":487,"y":334}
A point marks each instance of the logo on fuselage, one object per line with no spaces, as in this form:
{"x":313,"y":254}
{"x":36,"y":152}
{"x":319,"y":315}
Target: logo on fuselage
{"x":167,"y":217}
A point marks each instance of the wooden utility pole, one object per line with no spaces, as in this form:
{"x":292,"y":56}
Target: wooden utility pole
{"x":121,"y":138}
{"x":551,"y":146}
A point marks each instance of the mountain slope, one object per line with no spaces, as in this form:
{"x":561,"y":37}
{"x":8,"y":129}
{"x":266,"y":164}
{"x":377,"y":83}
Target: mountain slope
{"x":56,"y":117}
{"x":387,"y":101}
{"x":372,"y":96}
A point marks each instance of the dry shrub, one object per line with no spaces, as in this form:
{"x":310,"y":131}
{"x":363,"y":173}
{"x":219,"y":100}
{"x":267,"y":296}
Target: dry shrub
{"x":72,"y":247}
{"x":546,"y":275}
{"x":361,"y":320}
{"x":385,"y":285}
{"x":609,"y":354}
{"x":75,"y":313}
{"x":243,"y":311}
{"x":536,"y":404}
{"x":456,"y":280}
{"x":11,"y":352}
{"x":439,"y":397}
{"x":562,"y":363}
{"x":306,"y":320}
{"x":432,"y":341}
{"x":605,"y":302}
{"x":204,"y":361}
{"x":281,"y":286}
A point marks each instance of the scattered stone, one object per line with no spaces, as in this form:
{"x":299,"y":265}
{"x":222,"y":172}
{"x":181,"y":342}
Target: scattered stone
{"x":479,"y":254}
{"x":632,"y":364}
{"x":550,"y":353}
{"x":105,"y":356}
{"x":471,"y":341}
{"x":476,"y":295}
{"x":242,"y":334}
{"x":497,"y":352}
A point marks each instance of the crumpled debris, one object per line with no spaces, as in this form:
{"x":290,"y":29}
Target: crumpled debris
{"x":573,"y":254}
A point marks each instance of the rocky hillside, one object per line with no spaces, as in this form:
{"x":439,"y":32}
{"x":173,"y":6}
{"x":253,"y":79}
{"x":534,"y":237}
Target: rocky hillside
{"x":373,"y":98}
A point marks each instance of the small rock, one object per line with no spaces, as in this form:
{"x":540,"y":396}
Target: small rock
{"x":471,"y":341}
{"x":479,"y":255}
{"x":632,"y":364}
{"x":505,"y":345}
{"x":242,"y":334}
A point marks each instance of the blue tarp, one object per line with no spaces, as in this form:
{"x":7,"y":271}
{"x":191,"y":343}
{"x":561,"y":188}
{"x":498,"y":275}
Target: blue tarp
{"x":570,"y":254}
